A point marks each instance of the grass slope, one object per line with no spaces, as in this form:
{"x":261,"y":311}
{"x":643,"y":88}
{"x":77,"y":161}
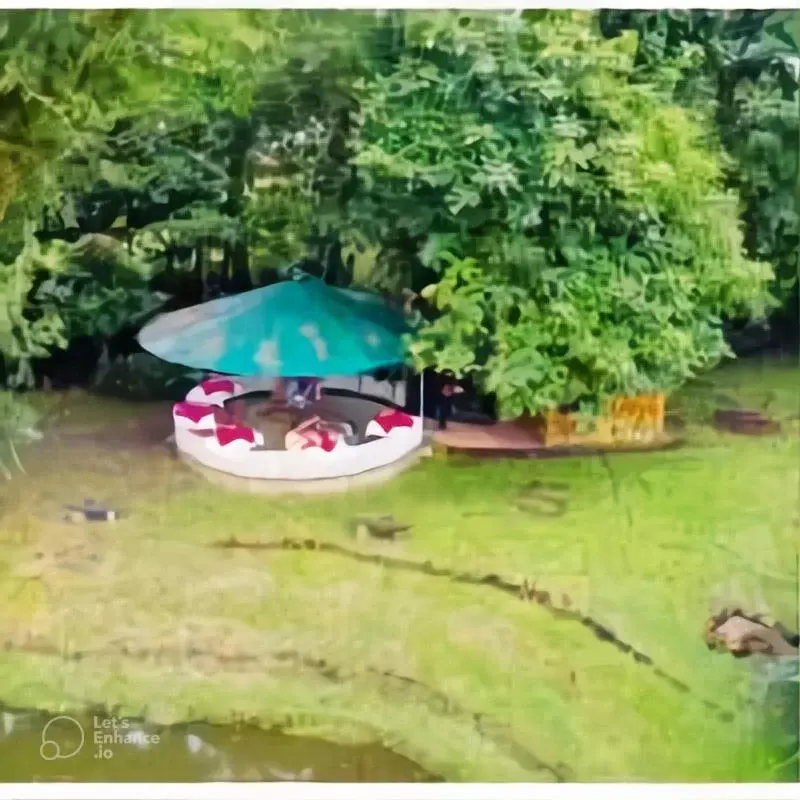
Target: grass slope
{"x":469,"y":681}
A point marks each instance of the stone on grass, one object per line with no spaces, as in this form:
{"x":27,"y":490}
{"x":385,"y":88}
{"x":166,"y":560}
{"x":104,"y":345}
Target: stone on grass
{"x":378,"y":526}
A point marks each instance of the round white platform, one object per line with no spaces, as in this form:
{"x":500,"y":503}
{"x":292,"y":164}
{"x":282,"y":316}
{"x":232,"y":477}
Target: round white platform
{"x":238,"y":457}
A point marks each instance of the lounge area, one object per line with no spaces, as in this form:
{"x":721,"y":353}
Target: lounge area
{"x":292,"y":395}
{"x":229,"y":425}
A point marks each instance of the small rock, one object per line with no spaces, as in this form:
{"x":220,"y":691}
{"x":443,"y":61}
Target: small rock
{"x":378,"y":526}
{"x":91,"y":512}
{"x":742,"y":636}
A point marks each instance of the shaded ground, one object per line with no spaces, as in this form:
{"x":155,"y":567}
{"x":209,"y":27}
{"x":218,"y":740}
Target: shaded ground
{"x":458,"y":661}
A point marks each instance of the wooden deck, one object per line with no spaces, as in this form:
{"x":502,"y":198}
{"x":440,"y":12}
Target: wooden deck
{"x":508,"y":436}
{"x":513,"y":440}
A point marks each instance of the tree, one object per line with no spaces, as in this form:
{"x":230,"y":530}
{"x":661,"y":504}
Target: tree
{"x":544,"y":187}
{"x":572,"y":214}
{"x":84,"y":98}
{"x":238,"y":190}
{"x":748,"y":64}
{"x":68,"y":76}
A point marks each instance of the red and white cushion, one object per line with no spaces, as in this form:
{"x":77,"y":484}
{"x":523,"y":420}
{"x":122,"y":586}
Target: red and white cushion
{"x":187,"y":415}
{"x":214,"y":391}
{"x":387,"y":421}
{"x":313,"y":434}
{"x":235,"y":439}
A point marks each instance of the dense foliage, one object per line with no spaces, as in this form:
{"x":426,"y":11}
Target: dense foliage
{"x":749,"y":70}
{"x":577,"y":215}
{"x":574,"y":215}
{"x":68,"y":78}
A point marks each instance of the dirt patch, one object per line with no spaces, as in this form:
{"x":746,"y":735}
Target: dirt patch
{"x":148,"y":430}
{"x":544,"y":499}
{"x":745,"y":423}
{"x":112,"y":458}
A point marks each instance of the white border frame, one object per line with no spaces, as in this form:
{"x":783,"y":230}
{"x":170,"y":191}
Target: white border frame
{"x":312,"y":791}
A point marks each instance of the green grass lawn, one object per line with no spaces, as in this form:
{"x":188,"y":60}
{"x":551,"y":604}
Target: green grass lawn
{"x":469,"y":681}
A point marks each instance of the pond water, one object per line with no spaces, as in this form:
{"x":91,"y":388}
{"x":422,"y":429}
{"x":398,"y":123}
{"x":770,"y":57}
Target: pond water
{"x":36,"y":746}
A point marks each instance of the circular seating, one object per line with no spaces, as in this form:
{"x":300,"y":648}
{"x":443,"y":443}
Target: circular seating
{"x":319,"y":447}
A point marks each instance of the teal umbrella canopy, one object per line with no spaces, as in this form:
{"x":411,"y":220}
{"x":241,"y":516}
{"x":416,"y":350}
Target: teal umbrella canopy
{"x":297,"y":328}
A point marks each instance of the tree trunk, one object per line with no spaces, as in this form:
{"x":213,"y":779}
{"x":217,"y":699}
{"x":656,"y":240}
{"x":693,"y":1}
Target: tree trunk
{"x":240,"y":278}
{"x":197,"y":270}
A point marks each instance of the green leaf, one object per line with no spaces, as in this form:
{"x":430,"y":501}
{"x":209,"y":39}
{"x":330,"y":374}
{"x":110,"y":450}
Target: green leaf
{"x":461,"y":197}
{"x":429,"y":291}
